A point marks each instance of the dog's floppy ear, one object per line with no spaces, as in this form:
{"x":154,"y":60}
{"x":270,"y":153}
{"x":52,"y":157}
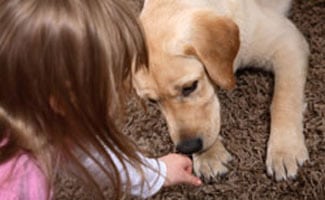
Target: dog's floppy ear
{"x":215,"y":42}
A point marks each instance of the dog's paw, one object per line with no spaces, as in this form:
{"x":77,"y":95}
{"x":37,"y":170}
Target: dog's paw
{"x":284,"y":158}
{"x":210,"y":164}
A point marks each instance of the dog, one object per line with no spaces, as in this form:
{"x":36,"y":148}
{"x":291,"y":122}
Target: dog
{"x":196,"y":46}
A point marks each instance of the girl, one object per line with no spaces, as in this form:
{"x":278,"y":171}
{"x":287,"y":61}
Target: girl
{"x":63,"y":69}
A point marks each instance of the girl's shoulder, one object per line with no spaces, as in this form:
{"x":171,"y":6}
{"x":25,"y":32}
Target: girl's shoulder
{"x":21,"y":176}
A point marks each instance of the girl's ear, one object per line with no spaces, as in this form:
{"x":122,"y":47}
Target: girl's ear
{"x":55,"y":106}
{"x":215,"y":42}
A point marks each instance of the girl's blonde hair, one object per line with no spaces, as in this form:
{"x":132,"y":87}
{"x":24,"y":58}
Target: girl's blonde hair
{"x":62,"y":68}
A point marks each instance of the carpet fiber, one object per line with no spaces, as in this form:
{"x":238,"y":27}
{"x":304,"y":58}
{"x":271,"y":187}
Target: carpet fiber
{"x":245,"y":130}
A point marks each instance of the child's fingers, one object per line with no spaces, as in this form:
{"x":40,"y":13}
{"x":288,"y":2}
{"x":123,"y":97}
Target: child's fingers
{"x":187,"y":162}
{"x":188,"y":176}
{"x":189,"y":169}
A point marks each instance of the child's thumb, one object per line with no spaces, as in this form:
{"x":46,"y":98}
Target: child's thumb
{"x":191,"y":179}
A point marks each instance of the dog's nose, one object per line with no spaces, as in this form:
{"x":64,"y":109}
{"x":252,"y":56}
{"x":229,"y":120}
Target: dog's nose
{"x":190,"y":146}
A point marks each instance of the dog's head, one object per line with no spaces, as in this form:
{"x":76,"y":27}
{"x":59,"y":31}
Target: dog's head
{"x":189,"y":55}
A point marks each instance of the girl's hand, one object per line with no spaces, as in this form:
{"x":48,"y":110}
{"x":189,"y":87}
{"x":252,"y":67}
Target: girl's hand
{"x":179,"y":170}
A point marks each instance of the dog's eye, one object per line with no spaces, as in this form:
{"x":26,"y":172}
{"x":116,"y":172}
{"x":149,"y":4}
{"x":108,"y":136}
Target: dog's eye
{"x":186,"y":91}
{"x":152,"y":101}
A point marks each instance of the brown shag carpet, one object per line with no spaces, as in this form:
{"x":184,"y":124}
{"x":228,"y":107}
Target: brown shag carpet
{"x":245,"y":129}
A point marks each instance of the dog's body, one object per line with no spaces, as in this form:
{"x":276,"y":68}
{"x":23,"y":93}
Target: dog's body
{"x":195,"y":44}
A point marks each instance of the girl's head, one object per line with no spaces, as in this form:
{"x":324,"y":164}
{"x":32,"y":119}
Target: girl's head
{"x":62,"y":68}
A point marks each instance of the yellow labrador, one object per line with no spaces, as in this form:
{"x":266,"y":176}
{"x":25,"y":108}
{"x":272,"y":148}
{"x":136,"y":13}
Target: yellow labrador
{"x":197,"y":44}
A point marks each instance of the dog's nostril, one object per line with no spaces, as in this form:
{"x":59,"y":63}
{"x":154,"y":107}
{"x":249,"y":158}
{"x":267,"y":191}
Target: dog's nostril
{"x":190,"y":146}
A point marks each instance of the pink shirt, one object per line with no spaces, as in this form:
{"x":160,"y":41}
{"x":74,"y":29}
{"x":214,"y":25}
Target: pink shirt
{"x":22,"y":179}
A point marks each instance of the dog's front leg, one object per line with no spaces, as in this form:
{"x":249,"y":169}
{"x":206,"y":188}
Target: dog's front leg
{"x":211,"y":162}
{"x":286,"y":145}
